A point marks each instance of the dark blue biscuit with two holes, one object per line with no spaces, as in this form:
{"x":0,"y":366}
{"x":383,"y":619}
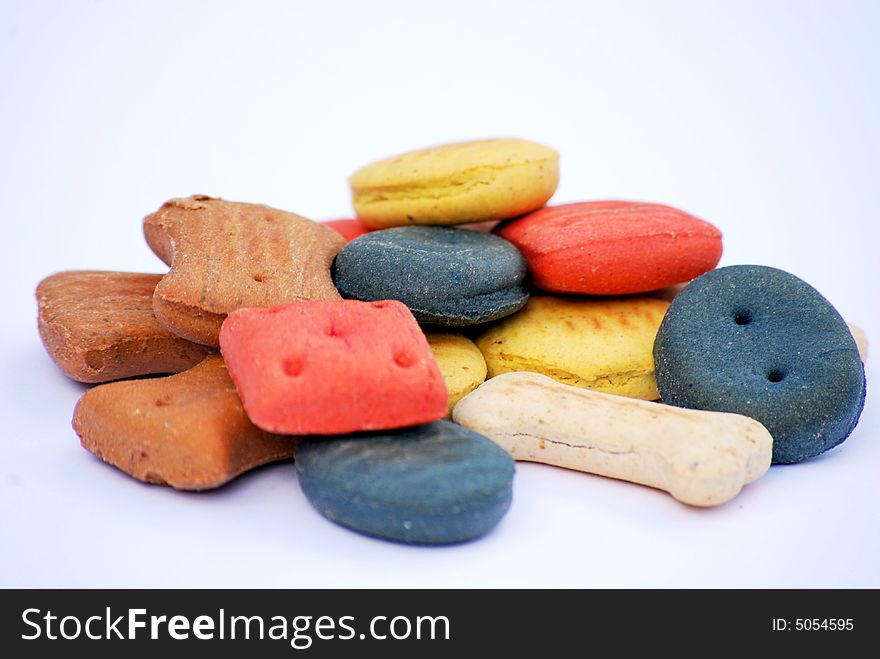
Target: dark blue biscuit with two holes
{"x":760,"y":342}
{"x":432,"y":484}
{"x":446,"y":276}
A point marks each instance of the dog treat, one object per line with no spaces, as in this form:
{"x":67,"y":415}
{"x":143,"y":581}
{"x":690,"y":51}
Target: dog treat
{"x":613,"y":247}
{"x":226,"y":255}
{"x":99,"y":326}
{"x":600,"y":344}
{"x":348,"y":229}
{"x":364,"y":345}
{"x":758,"y":341}
{"x":700,"y":458}
{"x":328,"y":368}
{"x":858,"y":333}
{"x":460,"y":362}
{"x":456,"y":183}
{"x":432,"y":484}
{"x":446,"y":276}
{"x":188,"y":431}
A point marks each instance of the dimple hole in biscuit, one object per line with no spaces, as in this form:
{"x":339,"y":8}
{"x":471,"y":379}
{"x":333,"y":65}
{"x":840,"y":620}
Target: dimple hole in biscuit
{"x":293,"y":365}
{"x":404,"y":358}
{"x":742,"y":318}
{"x":775,"y":375}
{"x":259,"y":278}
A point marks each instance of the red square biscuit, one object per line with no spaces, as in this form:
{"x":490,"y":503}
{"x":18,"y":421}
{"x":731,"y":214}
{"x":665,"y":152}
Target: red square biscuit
{"x":332,"y":367}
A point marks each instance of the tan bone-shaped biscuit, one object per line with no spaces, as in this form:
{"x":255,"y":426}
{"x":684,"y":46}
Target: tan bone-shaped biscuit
{"x":700,"y":458}
{"x":227,"y":255}
{"x":188,"y":431}
{"x":99,"y":326}
{"x":861,"y":339}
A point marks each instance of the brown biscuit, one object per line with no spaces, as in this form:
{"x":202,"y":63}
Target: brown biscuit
{"x":99,"y":326}
{"x":227,"y":255}
{"x":188,"y":431}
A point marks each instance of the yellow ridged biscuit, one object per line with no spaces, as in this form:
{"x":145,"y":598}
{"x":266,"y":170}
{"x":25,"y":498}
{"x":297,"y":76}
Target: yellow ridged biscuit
{"x":460,"y":362}
{"x":456,"y":184}
{"x":600,"y":344}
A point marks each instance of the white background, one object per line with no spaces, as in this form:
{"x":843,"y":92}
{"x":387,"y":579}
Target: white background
{"x":761,"y":117}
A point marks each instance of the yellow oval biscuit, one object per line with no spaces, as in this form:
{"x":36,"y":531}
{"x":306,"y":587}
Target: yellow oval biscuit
{"x":461,"y":364}
{"x":600,"y":344}
{"x":456,"y":184}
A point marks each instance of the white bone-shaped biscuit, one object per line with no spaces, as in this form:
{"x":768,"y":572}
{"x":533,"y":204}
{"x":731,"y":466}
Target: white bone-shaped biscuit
{"x":700,"y":458}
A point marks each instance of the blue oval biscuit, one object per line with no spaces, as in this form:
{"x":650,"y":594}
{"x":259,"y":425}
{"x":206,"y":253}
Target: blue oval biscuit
{"x":760,"y":342}
{"x":445,"y":276}
{"x":432,"y":484}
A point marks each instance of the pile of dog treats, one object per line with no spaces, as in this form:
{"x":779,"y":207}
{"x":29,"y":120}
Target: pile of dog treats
{"x":546,"y":333}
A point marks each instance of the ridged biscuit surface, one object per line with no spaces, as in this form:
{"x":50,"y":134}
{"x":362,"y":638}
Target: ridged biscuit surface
{"x":600,"y":344}
{"x":456,"y":183}
{"x":227,"y":255}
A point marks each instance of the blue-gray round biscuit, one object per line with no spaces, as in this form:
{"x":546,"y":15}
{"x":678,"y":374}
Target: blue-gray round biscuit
{"x":432,"y":484}
{"x":760,"y":342}
{"x":446,"y":276}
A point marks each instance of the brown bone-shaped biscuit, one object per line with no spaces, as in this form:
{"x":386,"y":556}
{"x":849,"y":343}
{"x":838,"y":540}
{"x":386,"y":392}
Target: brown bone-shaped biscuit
{"x":99,"y":326}
{"x":226,"y":255}
{"x":188,"y":431}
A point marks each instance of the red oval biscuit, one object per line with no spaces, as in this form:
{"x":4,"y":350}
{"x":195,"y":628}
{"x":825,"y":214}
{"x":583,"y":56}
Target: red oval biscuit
{"x":334,"y":367}
{"x":613,"y":247}
{"x":348,"y":229}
